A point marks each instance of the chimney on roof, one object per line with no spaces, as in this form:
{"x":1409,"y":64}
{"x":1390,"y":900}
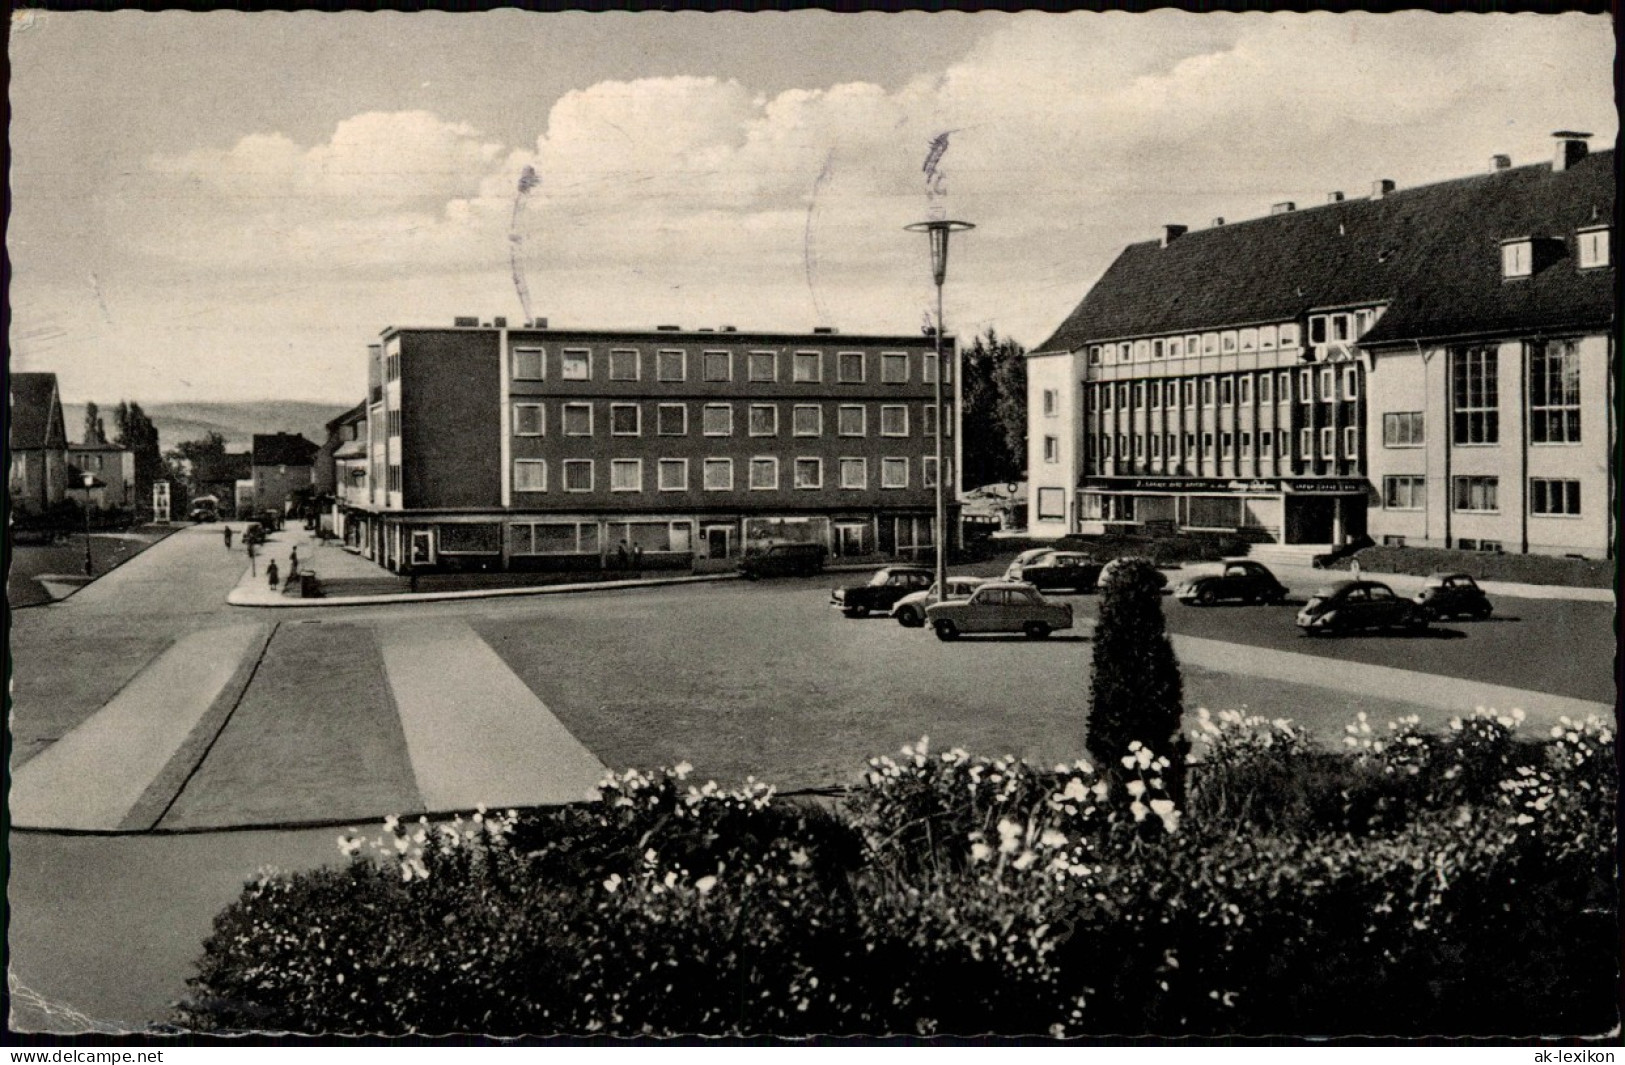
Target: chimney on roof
{"x":540,"y":323}
{"x":1500,"y":162}
{"x":500,"y":323}
{"x":1218,"y":221}
{"x":1283,"y":207}
{"x":1381,"y":188}
{"x":1571,"y":148}
{"x":1171,"y":234}
{"x":1334,"y":197}
{"x":465,"y":322}
{"x":824,"y":329}
{"x":730,"y":329}
{"x":669,"y":328}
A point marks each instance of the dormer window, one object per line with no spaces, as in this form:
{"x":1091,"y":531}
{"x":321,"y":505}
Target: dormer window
{"x":1595,"y":247}
{"x":1517,"y":258}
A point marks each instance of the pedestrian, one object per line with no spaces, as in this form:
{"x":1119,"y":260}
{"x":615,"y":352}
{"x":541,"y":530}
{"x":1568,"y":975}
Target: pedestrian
{"x":248,"y":545}
{"x":1354,"y":569}
{"x":293,"y":562}
{"x":637,"y":558}
{"x":228,"y":538}
{"x":620,"y":555}
{"x":270,"y":573}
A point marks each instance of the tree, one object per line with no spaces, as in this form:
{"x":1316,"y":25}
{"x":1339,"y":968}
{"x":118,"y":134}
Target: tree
{"x":993,"y":414}
{"x":186,"y":457}
{"x":136,"y":432}
{"x":1135,"y":688}
{"x":95,"y":431}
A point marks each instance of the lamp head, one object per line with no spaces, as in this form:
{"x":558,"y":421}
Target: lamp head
{"x":938,"y":230}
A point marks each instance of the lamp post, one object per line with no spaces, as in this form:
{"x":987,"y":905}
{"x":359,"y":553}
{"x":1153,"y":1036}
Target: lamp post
{"x":938,"y":230}
{"x":88,"y":481}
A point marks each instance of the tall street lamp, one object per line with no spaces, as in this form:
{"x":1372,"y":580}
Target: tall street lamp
{"x":938,"y":231}
{"x":89,"y":483}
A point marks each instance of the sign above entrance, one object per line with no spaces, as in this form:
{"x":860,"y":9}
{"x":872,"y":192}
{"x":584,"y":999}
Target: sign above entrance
{"x":1253,"y":486}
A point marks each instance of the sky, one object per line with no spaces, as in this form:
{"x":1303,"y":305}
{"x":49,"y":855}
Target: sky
{"x":228,"y":206}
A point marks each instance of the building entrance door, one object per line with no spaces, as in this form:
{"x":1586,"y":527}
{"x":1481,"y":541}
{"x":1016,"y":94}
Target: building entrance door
{"x":718,"y":540}
{"x":849,"y":539}
{"x":1311,"y":519}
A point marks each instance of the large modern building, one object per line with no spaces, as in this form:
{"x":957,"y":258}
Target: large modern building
{"x":532,"y":447}
{"x":1428,"y":366}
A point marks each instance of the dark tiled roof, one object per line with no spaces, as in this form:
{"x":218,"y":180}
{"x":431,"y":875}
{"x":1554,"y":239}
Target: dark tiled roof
{"x":357,"y":413}
{"x":282,"y":449}
{"x":1432,"y":252}
{"x":72,"y":447}
{"x":227,"y":467}
{"x":36,"y":413}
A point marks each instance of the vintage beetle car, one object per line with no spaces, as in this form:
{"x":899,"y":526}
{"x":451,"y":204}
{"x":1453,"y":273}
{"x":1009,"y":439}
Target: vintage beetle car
{"x":999,"y":606}
{"x":910,"y":610}
{"x":1061,"y":569}
{"x":1248,"y":581}
{"x":1349,"y":605}
{"x":1448,"y":595}
{"x":883,"y":590}
{"x":1026,"y":558}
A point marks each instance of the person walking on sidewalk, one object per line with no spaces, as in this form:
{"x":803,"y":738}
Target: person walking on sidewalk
{"x":248,"y":545}
{"x":293,"y":562}
{"x":228,"y":538}
{"x":270,"y":573}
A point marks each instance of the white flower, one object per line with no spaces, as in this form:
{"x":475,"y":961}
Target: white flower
{"x":1052,"y":838}
{"x":1075,"y":790}
{"x":1164,"y":809}
{"x":704,"y":884}
{"x":613,"y":884}
{"x":1136,"y":788}
{"x":1138,"y":809}
{"x":681,"y":770}
{"x":1027,"y":858}
{"x":1009,"y":837}
{"x":980,"y":852}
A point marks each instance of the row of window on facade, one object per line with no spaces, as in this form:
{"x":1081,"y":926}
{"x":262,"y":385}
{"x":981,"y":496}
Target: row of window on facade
{"x":759,"y":367}
{"x":717,"y":419}
{"x":1228,"y":389}
{"x":1339,"y":327}
{"x":1592,"y":251}
{"x":717,"y":474}
{"x":1550,"y":497}
{"x":1156,"y":446}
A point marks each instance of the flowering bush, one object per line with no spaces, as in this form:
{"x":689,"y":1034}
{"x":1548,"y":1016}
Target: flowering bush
{"x":1407,"y":883}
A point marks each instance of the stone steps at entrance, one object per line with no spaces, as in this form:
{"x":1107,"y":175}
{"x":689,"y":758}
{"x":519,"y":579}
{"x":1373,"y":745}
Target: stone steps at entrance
{"x":1290,"y":554}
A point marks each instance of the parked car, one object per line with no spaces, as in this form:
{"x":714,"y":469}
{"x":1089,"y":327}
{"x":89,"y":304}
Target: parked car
{"x":910,"y":610}
{"x":1061,"y":569}
{"x":271,"y":518}
{"x":1026,"y":558}
{"x":1448,"y":595}
{"x":883,"y":590}
{"x":1250,"y":582}
{"x":783,"y":560}
{"x":999,"y":606}
{"x":253,"y":534}
{"x":203,"y":511}
{"x":1349,"y":605}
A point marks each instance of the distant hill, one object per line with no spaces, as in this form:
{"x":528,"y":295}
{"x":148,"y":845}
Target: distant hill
{"x":237,"y":422}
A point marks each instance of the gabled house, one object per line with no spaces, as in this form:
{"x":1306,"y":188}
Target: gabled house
{"x":38,"y":442}
{"x":218,"y":476}
{"x":111,"y":467}
{"x":282,"y":465}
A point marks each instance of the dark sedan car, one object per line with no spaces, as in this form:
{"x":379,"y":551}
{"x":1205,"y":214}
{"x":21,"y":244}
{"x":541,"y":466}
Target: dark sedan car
{"x":882,"y":591}
{"x":1061,"y":569}
{"x":1249,"y":582}
{"x":1449,"y":595}
{"x":1349,"y":605}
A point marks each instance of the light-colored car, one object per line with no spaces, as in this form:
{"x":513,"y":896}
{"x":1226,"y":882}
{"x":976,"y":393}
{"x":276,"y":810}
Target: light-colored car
{"x":910,"y":610}
{"x":999,"y":606}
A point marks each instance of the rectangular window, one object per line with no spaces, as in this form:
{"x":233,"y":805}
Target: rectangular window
{"x":894,"y":420}
{"x":1477,"y":494}
{"x":849,"y":367}
{"x":1210,"y":343}
{"x":1266,"y":338}
{"x":1106,"y":398}
{"x":928,"y":419}
{"x":1554,"y":392}
{"x":1227,"y":342}
{"x":1156,"y":445}
{"x":928,"y":471}
{"x":1306,"y":386}
{"x":528,"y":419}
{"x":1171,"y":446}
{"x":1227,"y":391}
{"x":1306,"y":443}
{"x":1289,"y":335}
{"x":1244,"y":388}
{"x":671,"y":419}
{"x":809,"y":473}
{"x":1190,"y":393}
{"x":807,"y":420}
{"x":1283,"y":444}
{"x":1475,"y":398}
{"x":1094,"y":355}
{"x":1156,"y":349}
{"x":1052,"y":449}
{"x":1192,"y":345}
{"x":1594,"y":248}
{"x":1265,"y":394}
{"x":1351,"y":383}
{"x":625,"y":419}
{"x":1049,"y":402}
{"x":578,"y":475}
{"x":1207,"y":445}
{"x":1190,"y":445}
{"x":850,"y":421}
{"x":1549,"y":497}
{"x":764,"y":419}
{"x":764,"y":366}
{"x":1169,"y":391}
{"x":1154,"y":395}
{"x":764,"y":474}
{"x":673,"y":475}
{"x":1404,"y":493}
{"x":1142,"y":350}
{"x":1051,"y":504}
{"x":529,"y":475}
{"x":1266,"y":444}
{"x":578,"y":419}
{"x":528,"y":364}
{"x":1122,"y":396}
{"x":854,"y":473}
{"x":1516,"y":260}
{"x":717,"y":366}
{"x":1317,"y":329}
{"x":1139,"y":394}
{"x":1328,"y":443}
{"x":626,"y":475}
{"x":894,"y":473}
{"x":1351,"y":442}
{"x":1226,"y":445}
{"x":719,"y":475}
{"x":1283,"y":387}
{"x":1246,"y":445}
{"x":577,"y":364}
{"x":894,"y":367}
{"x":1207,"y":391}
{"x":1328,"y":384}
{"x":1249,"y":340}
{"x":1125,"y":352}
{"x":1403,"y":429}
{"x":623,"y":364}
{"x":671,"y":365}
{"x":808,"y":367}
{"x":717,"y":419}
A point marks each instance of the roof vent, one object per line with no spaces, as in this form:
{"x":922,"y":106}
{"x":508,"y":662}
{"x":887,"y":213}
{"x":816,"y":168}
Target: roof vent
{"x":464,"y":322}
{"x":1172,"y":233}
{"x":669,"y":328}
{"x":730,"y":329}
{"x":500,"y":323}
{"x":823,"y":330}
{"x":1283,"y":207}
{"x":1571,"y":148}
{"x":1381,"y":188}
{"x":1218,"y":221}
{"x":539,"y":323}
{"x":1500,"y":162}
{"x":705,"y":329}
{"x":1334,"y":197}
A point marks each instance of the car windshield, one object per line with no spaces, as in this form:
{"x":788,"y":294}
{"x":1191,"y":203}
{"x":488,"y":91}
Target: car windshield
{"x":1315,"y":603}
{"x":879,"y":579}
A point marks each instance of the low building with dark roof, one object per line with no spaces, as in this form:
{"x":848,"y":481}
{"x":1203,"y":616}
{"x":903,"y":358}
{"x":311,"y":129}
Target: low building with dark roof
{"x":112,"y":469}
{"x":1428,"y":366}
{"x":218,"y":476}
{"x":37,"y":440}
{"x":282,"y":467}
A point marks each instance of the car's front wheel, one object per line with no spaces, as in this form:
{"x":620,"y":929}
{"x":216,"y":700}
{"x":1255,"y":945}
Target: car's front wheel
{"x":854,"y":611}
{"x":1483,"y":613}
{"x":1036,"y":630}
{"x":1204,"y":596}
{"x":910,"y":618}
{"x":946,"y":630}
